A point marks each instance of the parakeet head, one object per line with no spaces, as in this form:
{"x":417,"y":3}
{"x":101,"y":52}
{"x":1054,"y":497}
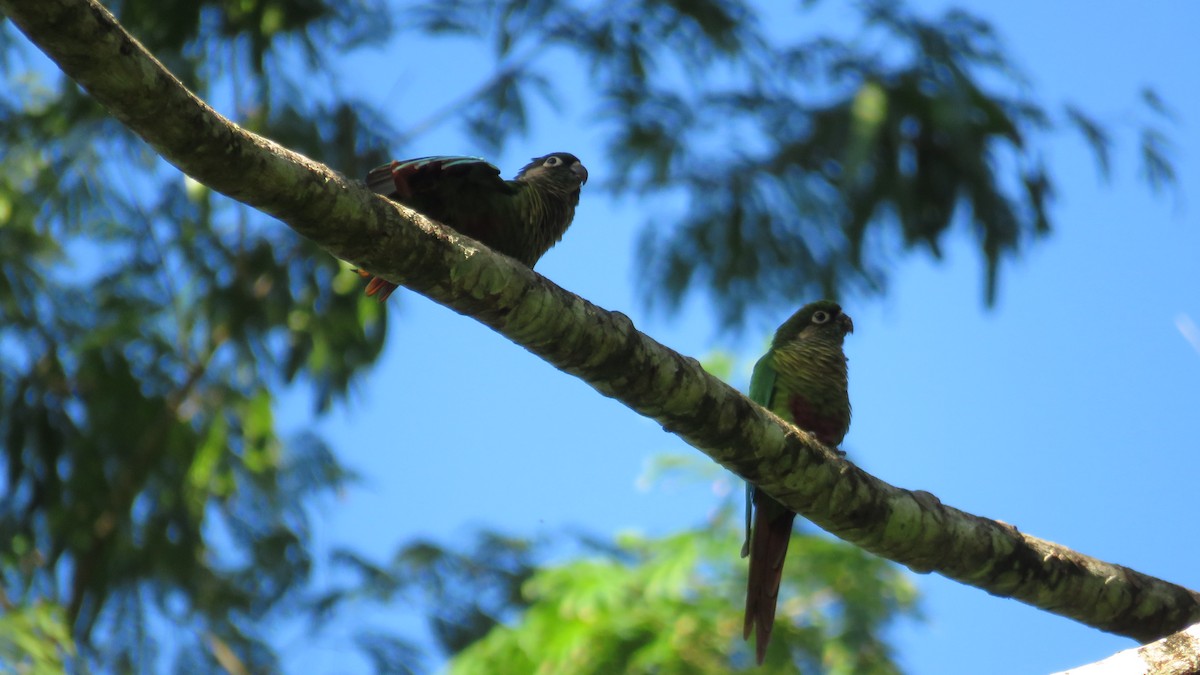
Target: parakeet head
{"x":560,"y":171}
{"x":821,"y":319}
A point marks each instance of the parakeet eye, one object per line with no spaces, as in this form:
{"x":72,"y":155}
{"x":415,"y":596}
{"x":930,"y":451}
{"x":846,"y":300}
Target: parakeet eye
{"x":820,"y":316}
{"x":552,"y":161}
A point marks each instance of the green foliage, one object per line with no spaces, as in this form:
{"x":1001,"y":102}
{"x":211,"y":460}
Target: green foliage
{"x":465,"y":593}
{"x":671,"y":604}
{"x":805,"y":161}
{"x":674,"y":605}
{"x":34,"y":639}
{"x":145,"y":328}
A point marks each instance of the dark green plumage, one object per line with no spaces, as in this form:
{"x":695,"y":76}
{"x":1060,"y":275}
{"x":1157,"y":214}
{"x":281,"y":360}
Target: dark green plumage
{"x":521,"y":218}
{"x":801,"y":378}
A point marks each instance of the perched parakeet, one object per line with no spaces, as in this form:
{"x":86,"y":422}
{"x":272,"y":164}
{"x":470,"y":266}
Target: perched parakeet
{"x":801,"y":378}
{"x":521,"y":218}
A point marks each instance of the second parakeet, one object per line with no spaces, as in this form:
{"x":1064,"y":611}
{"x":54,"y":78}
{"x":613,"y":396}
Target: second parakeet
{"x":801,"y":378}
{"x":521,"y":218}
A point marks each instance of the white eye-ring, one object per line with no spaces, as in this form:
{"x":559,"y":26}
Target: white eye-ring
{"x":820,"y":316}
{"x":552,"y":161}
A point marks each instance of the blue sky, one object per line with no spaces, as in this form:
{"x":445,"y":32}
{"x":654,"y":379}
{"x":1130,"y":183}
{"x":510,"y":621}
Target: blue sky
{"x":1071,"y":409}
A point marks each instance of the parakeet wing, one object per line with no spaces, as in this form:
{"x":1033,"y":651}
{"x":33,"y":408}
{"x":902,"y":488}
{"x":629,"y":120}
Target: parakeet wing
{"x":762,"y":380}
{"x":521,"y":218}
{"x":440,"y":177}
{"x":762,"y":389}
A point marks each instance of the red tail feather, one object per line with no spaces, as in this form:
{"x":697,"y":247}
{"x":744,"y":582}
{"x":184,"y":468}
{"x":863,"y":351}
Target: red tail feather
{"x":768,"y":547}
{"x":376,"y":286}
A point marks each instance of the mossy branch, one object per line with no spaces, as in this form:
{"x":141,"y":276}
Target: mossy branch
{"x":603,"y":348}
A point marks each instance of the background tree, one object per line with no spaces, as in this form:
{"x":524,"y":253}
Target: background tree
{"x":663,"y":604}
{"x":148,"y":327}
{"x":288,"y":315}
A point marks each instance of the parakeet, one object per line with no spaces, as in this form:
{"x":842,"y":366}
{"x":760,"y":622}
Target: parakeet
{"x":521,"y":218}
{"x":801,"y":378}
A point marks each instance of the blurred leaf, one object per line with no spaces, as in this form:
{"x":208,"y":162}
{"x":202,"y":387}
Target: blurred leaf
{"x":1155,"y":103}
{"x":146,"y":324}
{"x":1095,"y":136}
{"x":675,"y":605}
{"x":35,"y":640}
{"x":804,"y":161}
{"x":670,"y":604}
{"x":1158,"y":170}
{"x":390,"y":655}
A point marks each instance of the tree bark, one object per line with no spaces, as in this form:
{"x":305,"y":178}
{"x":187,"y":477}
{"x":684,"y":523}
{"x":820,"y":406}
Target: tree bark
{"x":603,"y":348}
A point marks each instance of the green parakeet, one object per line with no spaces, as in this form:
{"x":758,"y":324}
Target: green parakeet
{"x":521,"y":218}
{"x":801,"y":378}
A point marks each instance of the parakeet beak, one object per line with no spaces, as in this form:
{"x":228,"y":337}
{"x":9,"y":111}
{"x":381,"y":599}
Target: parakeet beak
{"x":848,"y":323}
{"x":580,"y":170}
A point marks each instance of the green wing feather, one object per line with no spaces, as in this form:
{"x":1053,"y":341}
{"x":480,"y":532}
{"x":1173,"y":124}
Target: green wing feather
{"x":802,"y":378}
{"x":762,"y":390}
{"x":762,"y":381}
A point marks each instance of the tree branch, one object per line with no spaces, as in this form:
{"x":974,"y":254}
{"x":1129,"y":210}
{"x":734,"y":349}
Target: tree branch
{"x":603,"y":348}
{"x":1177,"y":654}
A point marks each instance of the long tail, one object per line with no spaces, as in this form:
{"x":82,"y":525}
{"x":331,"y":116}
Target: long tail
{"x":768,"y":548}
